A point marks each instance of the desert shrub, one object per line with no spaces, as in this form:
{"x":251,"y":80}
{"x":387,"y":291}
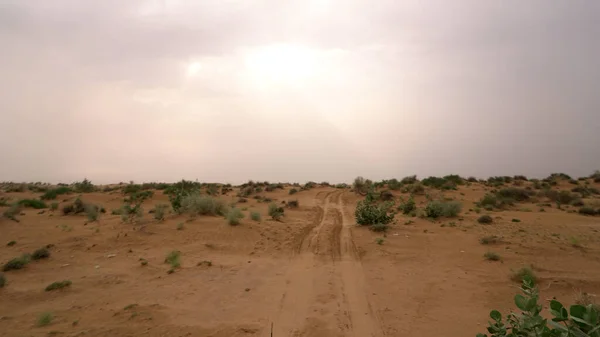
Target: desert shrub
{"x":559,"y":176}
{"x":84,"y":186}
{"x":159,"y":211}
{"x":379,"y":227}
{"x":585,"y":191}
{"x":489,"y":240}
{"x":92,"y":212}
{"x":16,"y":263}
{"x":416,"y":188}
{"x":32,"y":203}
{"x":409,"y":206}
{"x":44,"y":319}
{"x":587,"y":210}
{"x":77,"y":207}
{"x":386,"y":196}
{"x":409,"y":180}
{"x":293,"y":191}
{"x":513,"y":193}
{"x":2,"y":280}
{"x":233,"y":216}
{"x":472,"y":179}
{"x":437,"y":209}
{"x":341,"y":186}
{"x":491,"y":256}
{"x":42,"y":253}
{"x":293,"y":204}
{"x":197,"y":204}
{"x":54,"y":206}
{"x":368,"y":213}
{"x":361,"y":186}
{"x":173,"y":258}
{"x":524,"y":274}
{"x":307,"y":186}
{"x":577,"y":202}
{"x":455,"y":178}
{"x":520,"y":177}
{"x":578,"y":321}
{"x":441,"y":183}
{"x":58,"y":285}
{"x":485,"y":219}
{"x":255,"y":216}
{"x":11,"y":243}
{"x":393,"y":184}
{"x":12,"y":212}
{"x":275,"y":211}
{"x":53,"y":193}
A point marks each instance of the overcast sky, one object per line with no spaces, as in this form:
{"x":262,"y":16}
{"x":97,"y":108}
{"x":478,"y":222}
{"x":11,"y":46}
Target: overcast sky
{"x":275,"y":90}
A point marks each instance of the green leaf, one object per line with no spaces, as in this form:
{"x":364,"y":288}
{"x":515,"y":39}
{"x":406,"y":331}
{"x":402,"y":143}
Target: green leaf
{"x":521,"y":302}
{"x":577,"y":311}
{"x":556,"y":305}
{"x":496,"y":315}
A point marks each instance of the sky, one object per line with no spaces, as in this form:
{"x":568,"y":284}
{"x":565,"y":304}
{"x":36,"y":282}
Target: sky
{"x":323,"y":90}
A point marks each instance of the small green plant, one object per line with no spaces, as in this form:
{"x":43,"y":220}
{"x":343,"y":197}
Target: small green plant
{"x":485,"y":219}
{"x":54,"y":206}
{"x":516,"y":220}
{"x":293,"y":191}
{"x":275,"y":211}
{"x":42,"y":253}
{"x":579,"y":321}
{"x":130,"y":306}
{"x":379,"y":241}
{"x":91,"y":212}
{"x":491,"y":256}
{"x":11,"y":243}
{"x":174,"y":259}
{"x":58,"y":285}
{"x":489,"y":240}
{"x":16,"y":263}
{"x":44,"y":319}
{"x":2,"y":280}
{"x":143,"y":262}
{"x":255,"y":216}
{"x":12,"y":212}
{"x":575,"y":242}
{"x":180,"y":226}
{"x":55,"y":192}
{"x":233,"y":216}
{"x":524,"y":274}
{"x":159,"y":211}
{"x":409,"y":206}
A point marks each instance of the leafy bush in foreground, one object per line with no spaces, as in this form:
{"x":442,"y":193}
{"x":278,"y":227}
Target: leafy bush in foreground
{"x":578,"y":321}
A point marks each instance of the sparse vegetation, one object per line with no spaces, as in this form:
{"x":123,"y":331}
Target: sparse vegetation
{"x":180,"y":226}
{"x":491,"y":256}
{"x":485,"y":219}
{"x":361,"y":185}
{"x":370,"y":213}
{"x":409,"y":206}
{"x":197,"y":204}
{"x":275,"y":211}
{"x":292,"y":204}
{"x":174,"y":259}
{"x":379,"y":241}
{"x":255,"y":216}
{"x":11,"y":243}
{"x":293,"y":191}
{"x":84,"y":186}
{"x":516,"y":220}
{"x":587,"y":210}
{"x":379,"y":227}
{"x":58,"y":285}
{"x":55,"y":192}
{"x":2,"y":280}
{"x":575,"y":242}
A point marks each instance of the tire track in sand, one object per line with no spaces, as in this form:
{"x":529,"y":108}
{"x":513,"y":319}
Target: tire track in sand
{"x":325,"y":291}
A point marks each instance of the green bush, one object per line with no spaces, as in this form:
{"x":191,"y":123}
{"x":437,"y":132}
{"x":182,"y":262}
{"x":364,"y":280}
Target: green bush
{"x":58,"y":285}
{"x":16,"y":263}
{"x":55,"y":192}
{"x":514,"y":193}
{"x":491,"y":256}
{"x":84,"y":186}
{"x":524,"y":274}
{"x":587,"y":210}
{"x":54,"y":206}
{"x":578,"y":321}
{"x":42,"y":253}
{"x":437,"y":209}
{"x":44,"y":319}
{"x":409,"y":206}
{"x":293,"y":204}
{"x":409,"y":180}
{"x":275,"y":211}
{"x":32,"y":203}
{"x":197,"y":204}
{"x":293,"y":191}
{"x":361,"y":185}
{"x":77,"y":207}
{"x":488,"y":240}
{"x":370,"y":213}
{"x":386,"y":196}
{"x":92,"y":212}
{"x":12,"y":212}
{"x":485,"y":219}
{"x":234,"y":215}
{"x":255,"y":216}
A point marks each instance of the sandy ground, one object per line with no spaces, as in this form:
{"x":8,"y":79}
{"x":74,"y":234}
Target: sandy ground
{"x":314,"y":274}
